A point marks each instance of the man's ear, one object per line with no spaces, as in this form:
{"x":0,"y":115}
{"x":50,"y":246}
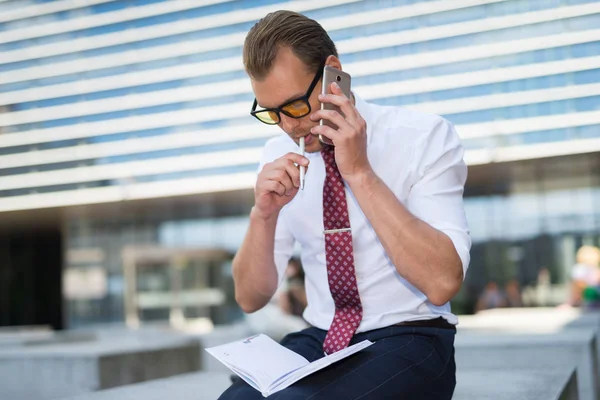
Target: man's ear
{"x":334,"y":62}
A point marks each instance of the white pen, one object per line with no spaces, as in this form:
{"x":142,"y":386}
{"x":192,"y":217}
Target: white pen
{"x":302,"y":167}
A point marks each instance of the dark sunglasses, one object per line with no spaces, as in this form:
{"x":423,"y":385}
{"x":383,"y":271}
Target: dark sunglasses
{"x":296,"y":108}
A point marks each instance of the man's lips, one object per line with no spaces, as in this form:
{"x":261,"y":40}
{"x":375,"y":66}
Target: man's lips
{"x":307,"y":139}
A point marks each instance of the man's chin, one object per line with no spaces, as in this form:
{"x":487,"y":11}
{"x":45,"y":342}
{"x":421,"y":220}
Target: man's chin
{"x":314,"y":146}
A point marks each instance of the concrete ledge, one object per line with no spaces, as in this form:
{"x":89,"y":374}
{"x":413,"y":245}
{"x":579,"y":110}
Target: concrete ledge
{"x":45,"y":338}
{"x":56,"y":370}
{"x":569,"y":349}
{"x":495,"y":384}
{"x":199,"y":385}
{"x":24,"y":329}
{"x":511,"y":384}
{"x":220,"y":335}
{"x":18,"y":335}
{"x":530,"y":320}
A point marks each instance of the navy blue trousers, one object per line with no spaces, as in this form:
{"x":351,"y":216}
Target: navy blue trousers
{"x":405,"y":362}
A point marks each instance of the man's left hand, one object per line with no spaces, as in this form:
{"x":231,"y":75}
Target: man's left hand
{"x":350,"y":139}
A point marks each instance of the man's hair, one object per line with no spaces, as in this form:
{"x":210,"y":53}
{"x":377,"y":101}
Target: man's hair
{"x":305,"y":37}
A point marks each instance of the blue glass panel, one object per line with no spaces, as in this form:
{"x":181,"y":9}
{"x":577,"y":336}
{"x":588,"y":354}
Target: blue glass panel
{"x":519,"y":85}
{"x":152,"y":178}
{"x":473,"y":91}
{"x":551,"y":135}
{"x":540,"y":29}
{"x":586,"y":132}
{"x":14,"y":150}
{"x":16,"y":86}
{"x":197,"y":127}
{"x":585,"y":49}
{"x":138,"y":111}
{"x":524,"y":111}
{"x":586,"y":103}
{"x":583,"y":77}
{"x":441,"y":18}
{"x":582,"y":23}
{"x":528,"y":31}
{"x":132,"y":90}
{"x":198,"y":173}
{"x":108,"y":7}
{"x":127,"y":91}
{"x":19,"y":65}
{"x":478,"y":143}
{"x":45,"y":167}
{"x":203,"y":11}
{"x":573,"y":2}
{"x":553,"y":54}
{"x":130,"y":135}
{"x":359,"y":7}
{"x":255,"y":142}
{"x":51,"y":189}
{"x":123,"y":69}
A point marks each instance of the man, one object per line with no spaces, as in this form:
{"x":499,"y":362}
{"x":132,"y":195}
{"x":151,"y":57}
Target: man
{"x":380,"y":221}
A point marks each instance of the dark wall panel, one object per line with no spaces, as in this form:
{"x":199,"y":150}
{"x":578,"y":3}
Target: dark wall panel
{"x":31,"y":275}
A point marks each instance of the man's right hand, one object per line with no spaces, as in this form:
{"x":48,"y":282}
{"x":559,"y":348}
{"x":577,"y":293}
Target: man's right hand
{"x":277,"y":184}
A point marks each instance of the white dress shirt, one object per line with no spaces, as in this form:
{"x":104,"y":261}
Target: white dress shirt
{"x":420,"y":158}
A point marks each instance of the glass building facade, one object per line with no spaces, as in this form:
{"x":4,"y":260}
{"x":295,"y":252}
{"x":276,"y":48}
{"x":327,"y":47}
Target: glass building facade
{"x":130,"y":119}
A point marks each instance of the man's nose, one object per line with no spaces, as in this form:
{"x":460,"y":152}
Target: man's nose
{"x":289,"y":124}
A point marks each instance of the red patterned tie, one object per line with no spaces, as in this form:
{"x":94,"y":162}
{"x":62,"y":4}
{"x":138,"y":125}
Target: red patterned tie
{"x":340,"y":258}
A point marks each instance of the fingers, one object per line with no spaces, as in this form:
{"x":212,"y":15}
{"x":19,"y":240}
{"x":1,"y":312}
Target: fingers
{"x":290,"y":163}
{"x":326,"y":131}
{"x":282,"y":176}
{"x":331,"y":116}
{"x":348,"y":120}
{"x":338,"y":98}
{"x":275,"y":187}
{"x":296,"y":158}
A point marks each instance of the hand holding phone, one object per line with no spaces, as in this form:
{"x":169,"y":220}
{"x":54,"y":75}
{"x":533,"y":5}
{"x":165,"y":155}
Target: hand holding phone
{"x":343,"y":80}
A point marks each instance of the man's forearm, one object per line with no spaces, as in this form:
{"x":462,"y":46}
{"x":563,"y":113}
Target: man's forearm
{"x":422,"y":255}
{"x":254,"y":271}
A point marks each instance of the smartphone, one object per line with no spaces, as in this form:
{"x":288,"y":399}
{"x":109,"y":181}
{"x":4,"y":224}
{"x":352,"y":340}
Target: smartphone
{"x":342,"y":78}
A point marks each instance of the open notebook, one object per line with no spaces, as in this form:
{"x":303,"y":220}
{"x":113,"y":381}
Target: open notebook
{"x":269,"y":367}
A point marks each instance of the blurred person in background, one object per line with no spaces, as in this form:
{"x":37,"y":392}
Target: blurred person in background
{"x":491,"y":297}
{"x":283,"y":313}
{"x":292,"y":299}
{"x":585,"y":274}
{"x":543,"y":288}
{"x":381,"y":223}
{"x":512,"y":290}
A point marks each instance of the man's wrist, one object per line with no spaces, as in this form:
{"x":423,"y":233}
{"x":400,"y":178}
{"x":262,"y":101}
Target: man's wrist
{"x":363,"y":179}
{"x":259,"y":216}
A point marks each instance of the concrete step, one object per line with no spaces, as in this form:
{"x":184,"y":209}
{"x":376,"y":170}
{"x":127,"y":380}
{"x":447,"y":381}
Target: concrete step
{"x":511,"y":384}
{"x":566,"y":349}
{"x":199,"y":385}
{"x":57,"y":369}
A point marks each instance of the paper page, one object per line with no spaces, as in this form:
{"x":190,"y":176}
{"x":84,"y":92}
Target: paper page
{"x":245,"y":377}
{"x":259,"y":358}
{"x":317,"y":365}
